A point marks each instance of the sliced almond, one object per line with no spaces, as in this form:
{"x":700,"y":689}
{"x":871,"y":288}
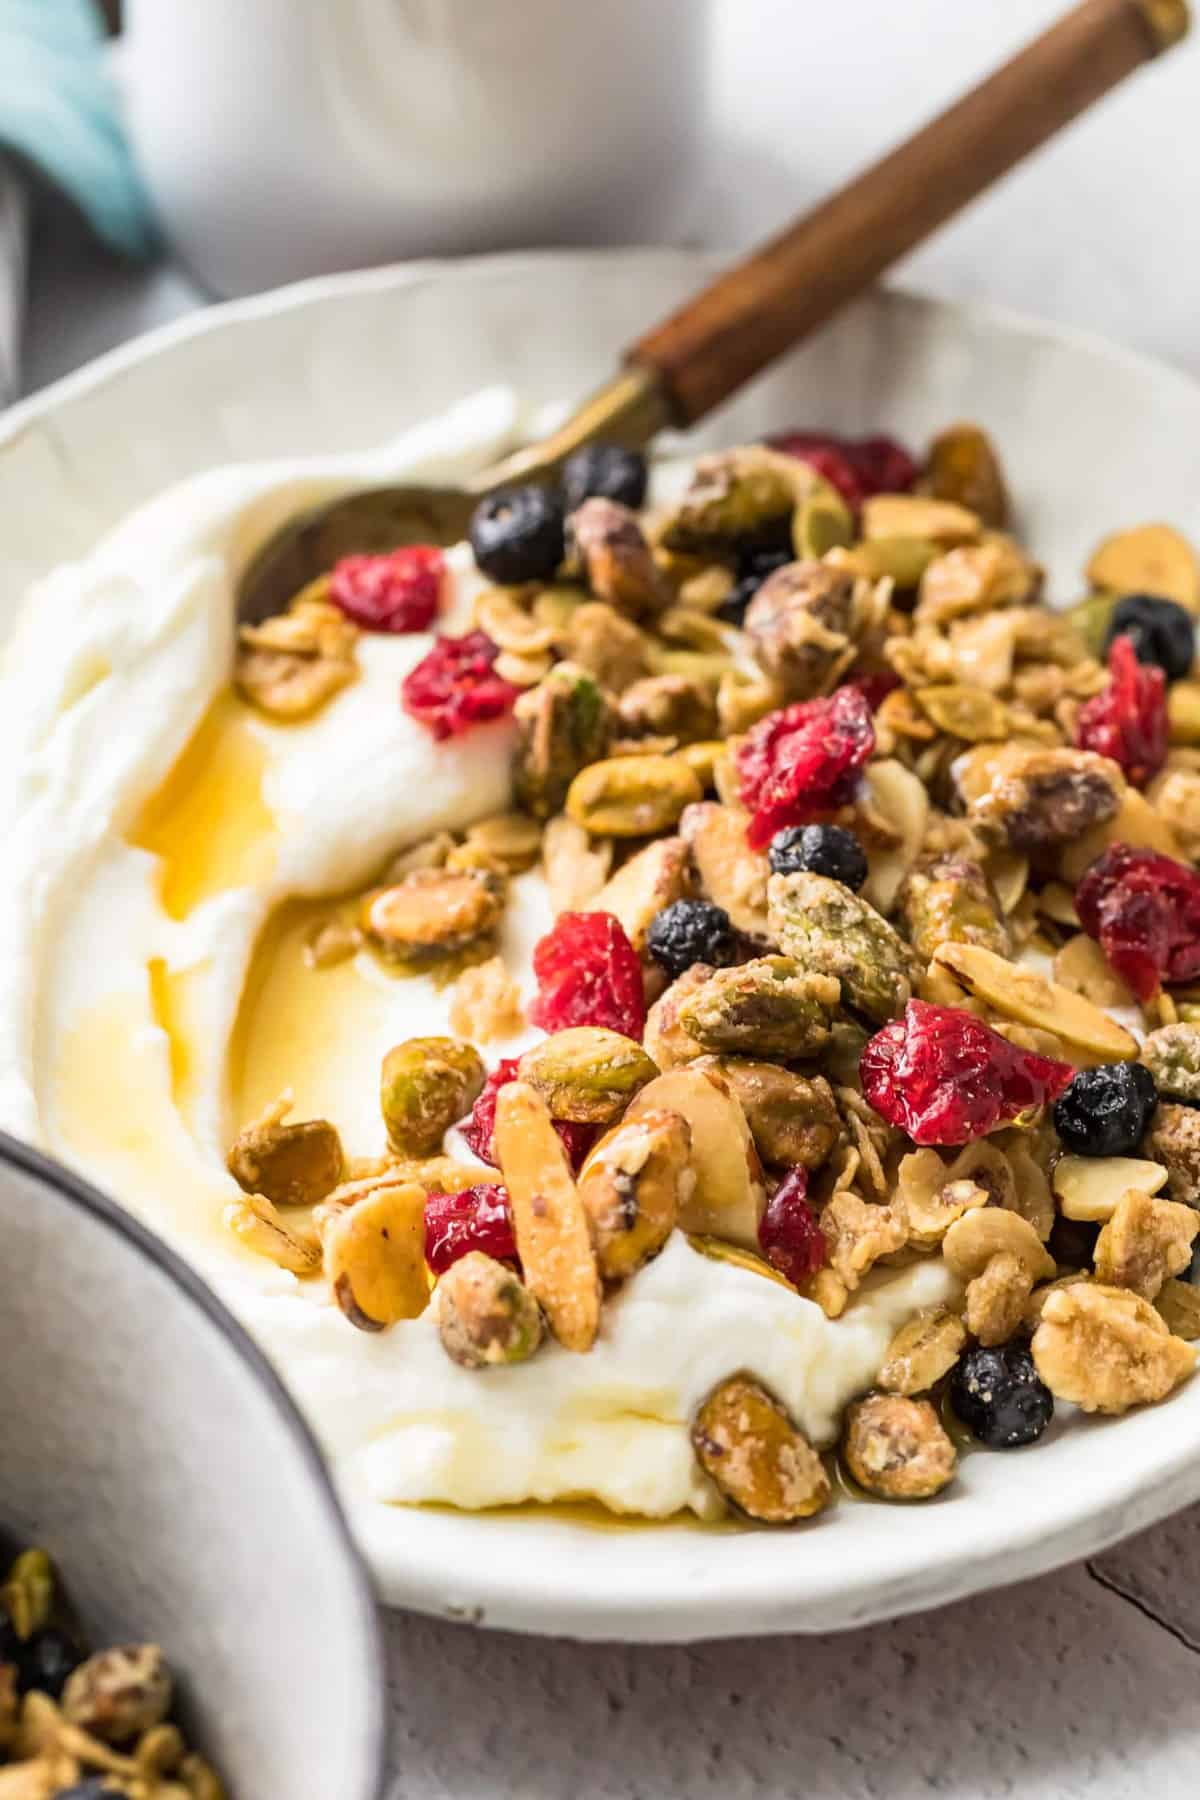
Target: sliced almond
{"x":549,"y":1222}
{"x":728,"y":1198}
{"x":254,"y":1220}
{"x":375,"y":1257}
{"x":1150,"y":559}
{"x":1008,"y":872}
{"x":901,"y":799}
{"x":1022,"y":994}
{"x":1082,"y":966}
{"x":1135,"y":823}
{"x":731,"y":874}
{"x":941,"y":522}
{"x":641,"y":887}
{"x":1090,"y":1187}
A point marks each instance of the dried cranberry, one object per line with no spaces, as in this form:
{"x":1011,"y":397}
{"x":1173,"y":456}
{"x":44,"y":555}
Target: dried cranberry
{"x":789,"y":1234}
{"x":856,"y":467}
{"x":476,"y":1219}
{"x":1128,"y":719}
{"x":874,"y":688}
{"x":945,"y":1077}
{"x":397,"y":592}
{"x":1144,"y":910}
{"x":455,"y":686}
{"x":588,"y":973}
{"x":803,"y":762}
{"x":577,"y":1139}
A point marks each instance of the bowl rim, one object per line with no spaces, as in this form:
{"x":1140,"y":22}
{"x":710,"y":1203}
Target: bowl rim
{"x":81,"y":1193}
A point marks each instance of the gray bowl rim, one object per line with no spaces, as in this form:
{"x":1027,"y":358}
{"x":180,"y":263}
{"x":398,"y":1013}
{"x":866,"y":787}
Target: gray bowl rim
{"x":78,"y":1192}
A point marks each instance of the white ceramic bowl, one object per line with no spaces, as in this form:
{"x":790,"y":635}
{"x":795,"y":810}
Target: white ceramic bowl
{"x":1094,"y":438}
{"x":151,"y":1450}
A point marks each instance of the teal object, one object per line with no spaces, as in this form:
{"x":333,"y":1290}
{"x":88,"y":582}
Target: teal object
{"x":59,"y":109}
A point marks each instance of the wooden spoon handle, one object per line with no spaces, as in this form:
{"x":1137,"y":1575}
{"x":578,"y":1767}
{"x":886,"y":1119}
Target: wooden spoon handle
{"x":754,"y":312}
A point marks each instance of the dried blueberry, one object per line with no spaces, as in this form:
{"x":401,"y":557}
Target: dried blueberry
{"x":691,"y":931}
{"x":517,"y":534}
{"x":753,"y":568}
{"x":1106,"y":1110}
{"x":607,"y":471}
{"x":819,"y":850}
{"x":47,"y":1659}
{"x":1161,"y":632}
{"x":1000,"y":1397}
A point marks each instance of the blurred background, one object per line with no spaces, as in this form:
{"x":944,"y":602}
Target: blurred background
{"x":274,"y":138}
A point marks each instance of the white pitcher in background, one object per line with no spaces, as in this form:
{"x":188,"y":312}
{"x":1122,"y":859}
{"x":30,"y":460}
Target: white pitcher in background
{"x":283,"y":138}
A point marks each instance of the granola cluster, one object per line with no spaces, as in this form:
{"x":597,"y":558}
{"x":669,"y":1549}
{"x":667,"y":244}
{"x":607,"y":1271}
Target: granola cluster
{"x":854,"y":845}
{"x":78,"y":1724}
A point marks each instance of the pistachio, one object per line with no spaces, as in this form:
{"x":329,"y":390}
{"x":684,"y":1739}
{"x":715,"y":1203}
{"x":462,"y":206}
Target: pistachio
{"x":771,"y":1006}
{"x":1107,"y":1349}
{"x":375,"y":1256}
{"x":28,"y":1593}
{"x":254,"y":1221}
{"x":793,"y":1119}
{"x":948,"y":899}
{"x":1178,"y":1305}
{"x":831,"y":931}
{"x":434,"y":913}
{"x":631,"y":796}
{"x":290,"y":665}
{"x":1150,"y":559}
{"x":587,"y":1073}
{"x":664,"y":1037}
{"x":734,"y":1256}
{"x":549,"y":1223}
{"x":899,"y":559}
{"x":1172,"y":1055}
{"x":736,"y":494}
{"x":562,"y":725}
{"x":962,"y":465}
{"x":118,"y":1694}
{"x":965,"y":712}
{"x":291,"y":1165}
{"x":641,"y":887}
{"x":606,"y":540}
{"x":1144,"y":1242}
{"x":668,"y":706}
{"x":800,"y":625}
{"x":925,"y":1348}
{"x":510,"y":840}
{"x":728,"y":1197}
{"x":731,"y":875}
{"x":1090,"y":1187}
{"x":425,"y":1085}
{"x":756,"y":1457}
{"x":485,"y":1313}
{"x":576,"y":867}
{"x":631,"y":1186}
{"x":1033,"y":799}
{"x":1020,"y":993}
{"x":743,"y":698}
{"x":606,"y":645}
{"x":897,"y":1447}
{"x":822,"y":522}
{"x":701,"y":759}
{"x":942,"y":522}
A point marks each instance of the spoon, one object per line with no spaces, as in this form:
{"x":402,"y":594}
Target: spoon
{"x":764,"y":305}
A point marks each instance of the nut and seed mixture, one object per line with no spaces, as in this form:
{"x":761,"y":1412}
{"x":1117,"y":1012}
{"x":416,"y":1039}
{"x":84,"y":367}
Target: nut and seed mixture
{"x":854,"y":844}
{"x":84,"y":1725}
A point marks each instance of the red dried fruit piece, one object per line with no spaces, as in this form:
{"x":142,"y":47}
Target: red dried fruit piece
{"x":789,"y":1234}
{"x":856,"y":467}
{"x":945,"y":1077}
{"x":455,"y":686}
{"x":577,"y":1138}
{"x":588,"y":973}
{"x":476,"y":1219}
{"x":803,"y":762}
{"x":401,"y":591}
{"x":1144,"y":911}
{"x":1128,"y":719}
{"x":874,"y":688}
